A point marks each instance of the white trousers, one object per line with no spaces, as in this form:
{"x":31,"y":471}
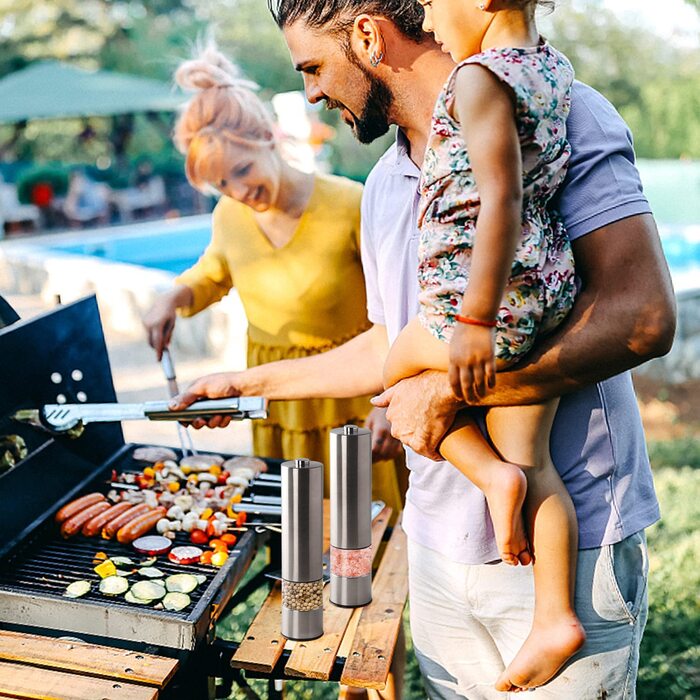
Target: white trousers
{"x":468,"y":622}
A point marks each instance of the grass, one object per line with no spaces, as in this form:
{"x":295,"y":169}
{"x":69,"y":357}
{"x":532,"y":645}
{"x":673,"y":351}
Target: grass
{"x":670,"y":653}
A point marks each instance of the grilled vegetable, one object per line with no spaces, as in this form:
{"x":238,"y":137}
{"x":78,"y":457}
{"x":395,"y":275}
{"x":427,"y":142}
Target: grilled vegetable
{"x":185,"y":555}
{"x":77,"y":589}
{"x":139,"y":526}
{"x":113,"y":526}
{"x":74,"y":524}
{"x":181,"y":583}
{"x":176,"y":601}
{"x":123,"y":561}
{"x":148,"y":590}
{"x":153,"y":544}
{"x":129,"y":597}
{"x":105,"y":569}
{"x":70,"y":509}
{"x":151,"y":572}
{"x":114,"y":585}
{"x":219,"y":558}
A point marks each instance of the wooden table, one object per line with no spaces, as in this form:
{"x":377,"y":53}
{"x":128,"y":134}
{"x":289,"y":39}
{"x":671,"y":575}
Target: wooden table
{"x":33,"y":666}
{"x":364,"y":637}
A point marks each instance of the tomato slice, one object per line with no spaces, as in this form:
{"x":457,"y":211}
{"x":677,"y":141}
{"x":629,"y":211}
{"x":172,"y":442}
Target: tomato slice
{"x":185,"y":555}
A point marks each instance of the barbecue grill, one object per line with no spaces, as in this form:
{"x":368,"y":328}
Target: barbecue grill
{"x":61,"y":357}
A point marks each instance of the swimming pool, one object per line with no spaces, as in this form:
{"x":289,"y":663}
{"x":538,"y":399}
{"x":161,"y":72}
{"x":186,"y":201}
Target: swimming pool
{"x":173,"y":246}
{"x":170,"y":246}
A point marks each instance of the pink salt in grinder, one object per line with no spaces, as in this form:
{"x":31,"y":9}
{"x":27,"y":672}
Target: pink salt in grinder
{"x":351,"y":516}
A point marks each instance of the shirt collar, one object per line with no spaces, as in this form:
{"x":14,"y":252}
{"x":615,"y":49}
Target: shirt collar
{"x":403,"y":163}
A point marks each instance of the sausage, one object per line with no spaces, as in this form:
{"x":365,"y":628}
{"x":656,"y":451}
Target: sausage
{"x":70,"y":509}
{"x":112,"y":527}
{"x":94,"y":526}
{"x":73,"y":525}
{"x":140,"y":526}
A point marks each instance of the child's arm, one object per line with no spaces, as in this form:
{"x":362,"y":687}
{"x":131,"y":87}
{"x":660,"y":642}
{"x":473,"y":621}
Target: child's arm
{"x":485,"y":108}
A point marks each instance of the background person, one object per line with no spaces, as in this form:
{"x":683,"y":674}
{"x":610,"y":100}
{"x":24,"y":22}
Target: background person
{"x":290,"y":243}
{"x":87,"y":201}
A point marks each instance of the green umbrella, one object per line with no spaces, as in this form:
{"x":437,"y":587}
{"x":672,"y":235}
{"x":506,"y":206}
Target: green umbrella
{"x":54,"y":90}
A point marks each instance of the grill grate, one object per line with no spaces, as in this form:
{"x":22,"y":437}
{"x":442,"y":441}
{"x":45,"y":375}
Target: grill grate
{"x":46,"y":564}
{"x":49,"y":566}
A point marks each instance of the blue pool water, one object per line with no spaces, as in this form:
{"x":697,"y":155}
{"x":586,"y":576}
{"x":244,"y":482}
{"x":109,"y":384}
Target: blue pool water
{"x":168,"y":248}
{"x":175,"y":248}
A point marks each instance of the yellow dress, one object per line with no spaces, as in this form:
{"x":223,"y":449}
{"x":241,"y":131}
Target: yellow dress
{"x":301,"y":299}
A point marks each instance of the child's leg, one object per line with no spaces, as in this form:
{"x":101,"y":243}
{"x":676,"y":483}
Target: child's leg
{"x":464,"y":446}
{"x":504,"y":485}
{"x":521,"y":435}
{"x":414,"y":350}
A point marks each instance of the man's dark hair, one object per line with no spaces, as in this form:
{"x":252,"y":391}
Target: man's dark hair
{"x":339,"y":15}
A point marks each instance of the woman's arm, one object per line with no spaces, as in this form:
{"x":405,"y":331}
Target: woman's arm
{"x":485,"y":108}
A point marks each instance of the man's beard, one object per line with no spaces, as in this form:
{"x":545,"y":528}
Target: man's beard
{"x":373,"y":121}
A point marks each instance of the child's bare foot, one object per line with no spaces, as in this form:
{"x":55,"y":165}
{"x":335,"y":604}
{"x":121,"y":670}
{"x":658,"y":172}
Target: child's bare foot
{"x":544,"y":652}
{"x":505,"y":499}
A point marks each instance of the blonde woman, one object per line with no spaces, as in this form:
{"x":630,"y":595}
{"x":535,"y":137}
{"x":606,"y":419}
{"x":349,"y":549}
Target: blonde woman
{"x":289,"y":242}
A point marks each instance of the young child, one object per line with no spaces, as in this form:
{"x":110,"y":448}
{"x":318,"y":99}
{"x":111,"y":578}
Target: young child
{"x":496,"y":271}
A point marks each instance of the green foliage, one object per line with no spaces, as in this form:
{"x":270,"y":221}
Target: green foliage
{"x":654,"y":84}
{"x":683,"y":452}
{"x":246,"y":31}
{"x":670,"y":654}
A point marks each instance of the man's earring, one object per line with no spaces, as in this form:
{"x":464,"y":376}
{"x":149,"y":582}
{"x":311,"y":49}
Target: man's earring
{"x":482,"y":6}
{"x":376,"y":60}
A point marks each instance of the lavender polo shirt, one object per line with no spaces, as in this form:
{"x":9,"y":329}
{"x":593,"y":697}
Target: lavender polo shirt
{"x":597,"y":442}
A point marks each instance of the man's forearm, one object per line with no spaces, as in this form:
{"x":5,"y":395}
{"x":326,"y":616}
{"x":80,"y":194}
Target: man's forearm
{"x":624,"y":316}
{"x":352,"y":369}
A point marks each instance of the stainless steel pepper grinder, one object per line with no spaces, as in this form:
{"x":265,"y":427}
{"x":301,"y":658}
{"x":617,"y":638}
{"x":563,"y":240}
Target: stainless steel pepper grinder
{"x":302,"y":549}
{"x":351,"y":516}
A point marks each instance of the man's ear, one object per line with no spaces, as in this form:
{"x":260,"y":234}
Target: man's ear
{"x":367,"y":40}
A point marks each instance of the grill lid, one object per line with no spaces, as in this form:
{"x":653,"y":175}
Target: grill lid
{"x":58,"y":356}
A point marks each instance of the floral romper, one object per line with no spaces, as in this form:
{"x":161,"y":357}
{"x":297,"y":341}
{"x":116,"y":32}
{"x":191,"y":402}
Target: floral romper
{"x":541,"y":288}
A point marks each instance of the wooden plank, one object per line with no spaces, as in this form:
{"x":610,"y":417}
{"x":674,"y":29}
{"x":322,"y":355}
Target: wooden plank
{"x":90,"y":659}
{"x":369,"y":658}
{"x":315,"y":658}
{"x":19,"y":681}
{"x":263,"y":643}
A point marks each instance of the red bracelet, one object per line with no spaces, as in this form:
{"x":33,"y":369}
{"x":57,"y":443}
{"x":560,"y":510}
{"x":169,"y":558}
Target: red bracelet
{"x":475,"y":321}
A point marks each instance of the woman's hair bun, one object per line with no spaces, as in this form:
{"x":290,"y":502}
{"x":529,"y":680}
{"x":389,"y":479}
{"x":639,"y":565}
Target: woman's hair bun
{"x":210,"y":69}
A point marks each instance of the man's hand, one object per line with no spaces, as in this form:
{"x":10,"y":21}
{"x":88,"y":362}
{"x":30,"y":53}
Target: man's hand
{"x":472,"y":362}
{"x":384,"y":446}
{"x":421,"y":409}
{"x":212,"y":386}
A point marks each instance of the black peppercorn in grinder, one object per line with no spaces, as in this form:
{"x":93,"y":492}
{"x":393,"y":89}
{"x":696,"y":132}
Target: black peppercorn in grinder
{"x":302,"y":549}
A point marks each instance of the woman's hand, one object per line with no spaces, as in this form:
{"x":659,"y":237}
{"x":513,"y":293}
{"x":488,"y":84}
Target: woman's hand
{"x":384,"y":446}
{"x":159,"y":320}
{"x":472,"y":363}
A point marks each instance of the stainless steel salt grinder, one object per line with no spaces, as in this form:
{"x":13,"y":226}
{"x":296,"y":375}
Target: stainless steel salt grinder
{"x":302,"y":549}
{"x":351,"y":516}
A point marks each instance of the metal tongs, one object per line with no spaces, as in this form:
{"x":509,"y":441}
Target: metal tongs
{"x":69,"y":418}
{"x":168,"y":366}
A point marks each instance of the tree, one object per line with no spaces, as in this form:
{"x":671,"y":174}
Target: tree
{"x":654,"y":84}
